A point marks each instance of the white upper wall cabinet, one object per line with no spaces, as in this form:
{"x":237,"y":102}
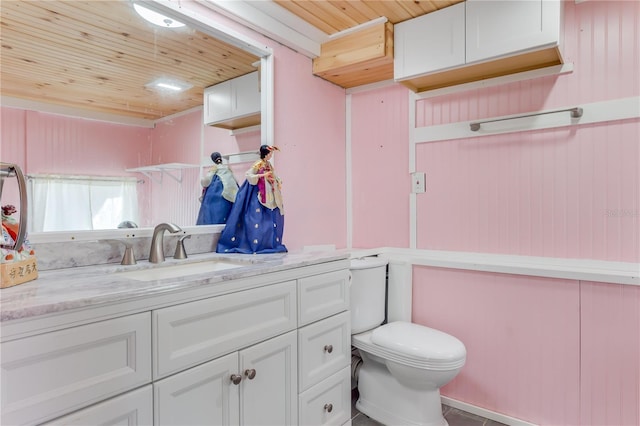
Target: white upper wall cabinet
{"x":430,"y":42}
{"x":498,"y":28}
{"x":234,"y":103}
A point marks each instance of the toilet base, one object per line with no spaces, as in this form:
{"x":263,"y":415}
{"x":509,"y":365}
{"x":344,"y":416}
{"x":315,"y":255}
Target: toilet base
{"x":385,"y":400}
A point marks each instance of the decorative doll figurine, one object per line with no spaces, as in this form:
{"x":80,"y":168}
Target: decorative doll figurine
{"x":256,"y":220}
{"x":219,"y":189}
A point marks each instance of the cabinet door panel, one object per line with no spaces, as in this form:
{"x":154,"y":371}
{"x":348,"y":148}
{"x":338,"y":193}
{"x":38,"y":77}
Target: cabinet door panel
{"x":195,"y":332}
{"x":217,"y":102}
{"x":325,"y":348}
{"x":203,"y":395}
{"x":49,"y":375}
{"x":270,"y":398}
{"x":247,"y":95}
{"x":429,"y":43}
{"x":499,"y":28}
{"x":134,"y":408}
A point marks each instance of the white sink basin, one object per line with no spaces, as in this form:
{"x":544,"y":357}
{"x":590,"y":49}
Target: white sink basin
{"x":174,"y":271}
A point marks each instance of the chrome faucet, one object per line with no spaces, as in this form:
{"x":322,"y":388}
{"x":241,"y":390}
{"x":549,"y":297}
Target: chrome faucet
{"x":157,"y":242}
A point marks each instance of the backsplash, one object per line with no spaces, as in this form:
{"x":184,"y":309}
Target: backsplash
{"x":60,"y":255}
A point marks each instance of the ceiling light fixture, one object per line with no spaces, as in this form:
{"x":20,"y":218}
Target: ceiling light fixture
{"x":170,"y":84}
{"x":156,"y":18}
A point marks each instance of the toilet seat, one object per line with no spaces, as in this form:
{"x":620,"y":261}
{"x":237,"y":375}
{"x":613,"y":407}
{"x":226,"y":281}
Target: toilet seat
{"x":413,"y":345}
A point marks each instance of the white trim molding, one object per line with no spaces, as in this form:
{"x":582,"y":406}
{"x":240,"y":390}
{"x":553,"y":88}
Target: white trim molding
{"x":604,"y":271}
{"x":66,"y":111}
{"x":274,"y":22}
{"x":483,"y":412}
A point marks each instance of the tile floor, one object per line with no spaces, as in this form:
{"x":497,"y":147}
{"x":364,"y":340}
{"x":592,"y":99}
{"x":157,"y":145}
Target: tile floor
{"x":454,"y":416}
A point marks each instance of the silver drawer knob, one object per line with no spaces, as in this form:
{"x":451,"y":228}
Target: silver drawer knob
{"x":328,"y":407}
{"x":236,"y":379}
{"x":328,"y":348}
{"x":250,"y":373}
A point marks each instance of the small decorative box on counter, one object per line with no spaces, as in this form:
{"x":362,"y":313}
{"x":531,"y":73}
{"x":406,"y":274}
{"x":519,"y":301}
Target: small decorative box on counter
{"x":18,"y":264}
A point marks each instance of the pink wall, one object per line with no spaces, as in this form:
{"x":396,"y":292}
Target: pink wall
{"x":380,"y":164}
{"x":48,"y":143}
{"x":548,"y":351}
{"x":610,"y":354}
{"x":54,"y":144}
{"x":522,"y":336}
{"x":310,"y":131}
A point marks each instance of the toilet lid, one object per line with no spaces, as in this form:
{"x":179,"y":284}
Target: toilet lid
{"x":418,"y":342}
{"x":367,"y":262}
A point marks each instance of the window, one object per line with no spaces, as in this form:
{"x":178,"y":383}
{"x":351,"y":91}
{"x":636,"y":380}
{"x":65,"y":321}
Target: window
{"x":65,"y":203}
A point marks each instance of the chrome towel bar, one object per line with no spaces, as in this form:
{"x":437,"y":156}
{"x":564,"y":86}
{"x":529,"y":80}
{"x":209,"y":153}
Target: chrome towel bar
{"x":576,"y":112}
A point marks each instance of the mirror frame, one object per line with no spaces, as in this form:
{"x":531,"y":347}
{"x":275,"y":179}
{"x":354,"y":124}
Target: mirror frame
{"x":194,"y":19}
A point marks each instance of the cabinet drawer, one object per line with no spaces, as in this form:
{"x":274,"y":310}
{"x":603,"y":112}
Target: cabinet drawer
{"x":332,"y":394}
{"x":50,"y":375}
{"x":324,"y":349}
{"x":322,"y":295}
{"x":133,"y":409}
{"x":192,"y":333}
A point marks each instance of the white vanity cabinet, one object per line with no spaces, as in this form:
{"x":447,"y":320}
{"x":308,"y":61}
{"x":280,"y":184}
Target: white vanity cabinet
{"x":477,"y":39}
{"x":272,"y":348}
{"x":234,"y":103}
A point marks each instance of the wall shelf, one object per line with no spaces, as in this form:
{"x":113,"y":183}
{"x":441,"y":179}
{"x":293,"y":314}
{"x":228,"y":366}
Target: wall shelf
{"x":174,"y":170}
{"x":242,"y":157}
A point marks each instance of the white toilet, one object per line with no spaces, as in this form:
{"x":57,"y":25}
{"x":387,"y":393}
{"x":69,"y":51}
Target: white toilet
{"x":404,"y":365}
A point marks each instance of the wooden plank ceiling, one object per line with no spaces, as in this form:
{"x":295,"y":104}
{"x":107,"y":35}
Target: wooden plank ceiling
{"x":99,"y":55}
{"x":333,"y":16}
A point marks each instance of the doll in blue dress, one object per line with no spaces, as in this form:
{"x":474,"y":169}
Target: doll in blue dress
{"x":256,"y":221}
{"x":219,"y":189}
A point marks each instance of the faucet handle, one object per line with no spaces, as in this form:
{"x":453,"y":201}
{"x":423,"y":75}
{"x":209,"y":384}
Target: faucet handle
{"x":129,"y":257}
{"x":180,"y":252}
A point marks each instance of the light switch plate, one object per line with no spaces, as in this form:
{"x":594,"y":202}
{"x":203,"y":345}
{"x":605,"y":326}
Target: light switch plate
{"x":418,"y":184}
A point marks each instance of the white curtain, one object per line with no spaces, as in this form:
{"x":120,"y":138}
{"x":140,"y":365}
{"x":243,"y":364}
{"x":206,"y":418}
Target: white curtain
{"x":66,"y":203}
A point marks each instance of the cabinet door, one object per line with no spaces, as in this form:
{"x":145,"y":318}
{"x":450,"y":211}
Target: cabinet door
{"x":203,"y":395}
{"x":218,"y":102}
{"x":246,"y":98}
{"x":431,"y":42}
{"x":134,"y":408}
{"x":499,"y":28}
{"x":270,"y":396}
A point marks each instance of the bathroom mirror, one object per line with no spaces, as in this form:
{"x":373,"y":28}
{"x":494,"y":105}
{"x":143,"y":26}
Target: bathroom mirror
{"x":239,"y":55}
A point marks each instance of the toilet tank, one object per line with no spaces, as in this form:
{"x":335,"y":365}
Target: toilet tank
{"x":367,"y":293}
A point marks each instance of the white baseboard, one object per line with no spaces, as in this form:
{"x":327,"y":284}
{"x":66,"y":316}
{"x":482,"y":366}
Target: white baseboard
{"x":492,"y":415}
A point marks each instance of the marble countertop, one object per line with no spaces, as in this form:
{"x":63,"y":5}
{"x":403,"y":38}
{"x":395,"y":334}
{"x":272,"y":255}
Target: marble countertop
{"x":89,"y":286}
